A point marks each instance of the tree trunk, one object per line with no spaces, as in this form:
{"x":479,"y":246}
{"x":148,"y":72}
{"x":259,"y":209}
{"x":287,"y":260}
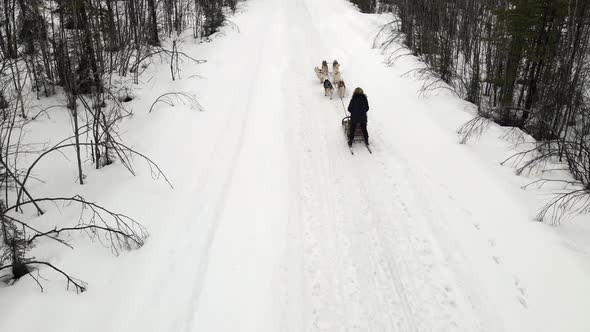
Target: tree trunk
{"x":153,"y":28}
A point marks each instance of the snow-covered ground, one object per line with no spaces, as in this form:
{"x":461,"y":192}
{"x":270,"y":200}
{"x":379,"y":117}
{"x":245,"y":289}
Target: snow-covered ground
{"x":274,"y":226}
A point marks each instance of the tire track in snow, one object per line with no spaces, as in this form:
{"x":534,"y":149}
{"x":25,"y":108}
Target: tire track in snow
{"x":318,"y":217}
{"x":470,"y":309}
{"x":341,"y":263}
{"x":217,"y":182}
{"x":391,"y":273}
{"x":389,"y":261}
{"x":404,"y":254}
{"x":320,"y":213}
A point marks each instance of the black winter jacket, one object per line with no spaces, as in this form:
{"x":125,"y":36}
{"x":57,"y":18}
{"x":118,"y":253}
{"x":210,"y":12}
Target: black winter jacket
{"x":358,"y":108}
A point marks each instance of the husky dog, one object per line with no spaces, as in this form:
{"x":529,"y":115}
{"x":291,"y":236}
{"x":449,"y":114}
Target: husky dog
{"x":335,"y":66}
{"x":318,"y":73}
{"x":337,"y":77}
{"x":321,"y":76}
{"x":328,"y":88}
{"x":341,"y":89}
{"x":325,"y":69}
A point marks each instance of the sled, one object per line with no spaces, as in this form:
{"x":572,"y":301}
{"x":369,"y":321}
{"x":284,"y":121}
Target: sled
{"x":358,"y":133}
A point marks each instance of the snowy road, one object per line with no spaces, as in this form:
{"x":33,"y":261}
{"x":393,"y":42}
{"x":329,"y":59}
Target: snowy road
{"x":275,"y":226}
{"x":311,"y":238}
{"x":306,"y":236}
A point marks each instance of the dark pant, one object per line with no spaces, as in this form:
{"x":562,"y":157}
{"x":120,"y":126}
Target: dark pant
{"x":353,"y":125}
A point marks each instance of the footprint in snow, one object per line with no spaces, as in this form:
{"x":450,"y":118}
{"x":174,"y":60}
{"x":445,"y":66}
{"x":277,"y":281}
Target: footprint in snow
{"x":519,"y":288}
{"x":522,"y":302}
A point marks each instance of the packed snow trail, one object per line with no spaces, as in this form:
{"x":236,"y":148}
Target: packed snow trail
{"x":311,"y":239}
{"x":314,"y":239}
{"x":274,"y":226}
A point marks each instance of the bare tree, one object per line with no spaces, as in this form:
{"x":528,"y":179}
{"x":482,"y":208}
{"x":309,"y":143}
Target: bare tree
{"x":524,"y":64}
{"x":81,"y":48}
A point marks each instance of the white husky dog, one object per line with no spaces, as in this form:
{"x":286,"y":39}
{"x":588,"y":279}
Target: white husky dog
{"x":325,"y":69}
{"x":321,"y":76}
{"x":335,"y":66}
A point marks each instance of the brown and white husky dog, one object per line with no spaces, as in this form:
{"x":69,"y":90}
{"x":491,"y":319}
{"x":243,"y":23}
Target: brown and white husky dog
{"x":337,"y":77}
{"x":328,"y":88}
{"x":341,"y":89}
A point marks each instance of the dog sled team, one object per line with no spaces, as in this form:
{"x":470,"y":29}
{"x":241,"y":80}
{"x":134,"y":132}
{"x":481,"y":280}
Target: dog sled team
{"x":355,"y":125}
{"x":323,"y":75}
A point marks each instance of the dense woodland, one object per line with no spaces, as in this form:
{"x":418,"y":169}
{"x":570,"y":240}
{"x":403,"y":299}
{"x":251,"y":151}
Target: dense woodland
{"x":524,"y":63}
{"x":80,"y":51}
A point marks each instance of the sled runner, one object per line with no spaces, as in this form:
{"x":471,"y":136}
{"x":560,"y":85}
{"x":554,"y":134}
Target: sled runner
{"x":358,"y":133}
